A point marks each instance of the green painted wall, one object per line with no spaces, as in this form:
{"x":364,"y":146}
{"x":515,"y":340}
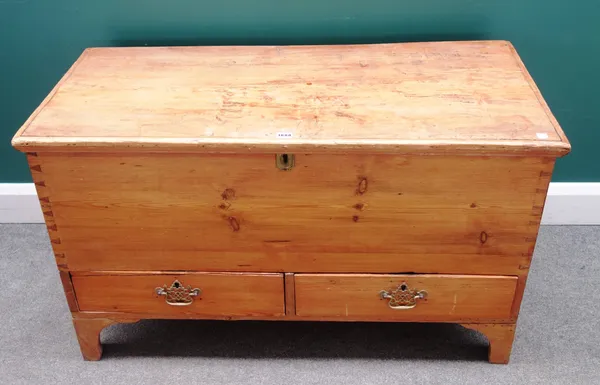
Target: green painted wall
{"x":559,"y":42}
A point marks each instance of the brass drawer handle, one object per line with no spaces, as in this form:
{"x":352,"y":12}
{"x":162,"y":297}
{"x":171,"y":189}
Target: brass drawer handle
{"x":177,"y":294}
{"x":403,"y":297}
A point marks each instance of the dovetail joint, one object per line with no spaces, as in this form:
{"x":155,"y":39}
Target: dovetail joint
{"x":46,"y":204}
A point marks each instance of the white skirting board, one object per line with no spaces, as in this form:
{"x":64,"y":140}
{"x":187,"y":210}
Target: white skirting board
{"x":567,"y":204}
{"x":19,"y":203}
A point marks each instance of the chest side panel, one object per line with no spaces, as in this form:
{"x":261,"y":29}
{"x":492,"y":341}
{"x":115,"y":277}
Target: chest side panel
{"x":329,"y":213}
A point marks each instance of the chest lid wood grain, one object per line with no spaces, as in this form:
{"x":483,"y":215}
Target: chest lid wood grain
{"x":465,"y":97}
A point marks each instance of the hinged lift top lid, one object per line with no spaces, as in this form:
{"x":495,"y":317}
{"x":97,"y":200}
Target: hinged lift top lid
{"x":430,"y":98}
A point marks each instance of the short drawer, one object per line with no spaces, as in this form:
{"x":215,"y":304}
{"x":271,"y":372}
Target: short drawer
{"x":206,"y":294}
{"x":440,"y":298}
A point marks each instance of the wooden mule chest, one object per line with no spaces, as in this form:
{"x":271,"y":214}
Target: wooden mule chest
{"x":392,"y":182}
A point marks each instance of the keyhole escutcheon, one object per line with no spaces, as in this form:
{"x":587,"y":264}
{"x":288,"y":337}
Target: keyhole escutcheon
{"x":284,"y":162}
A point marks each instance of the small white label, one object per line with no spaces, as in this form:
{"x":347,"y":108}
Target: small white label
{"x":541,"y":135}
{"x":285,"y":135}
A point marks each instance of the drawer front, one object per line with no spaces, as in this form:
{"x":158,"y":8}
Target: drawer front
{"x":330,"y":213}
{"x":445,"y":297}
{"x":218,"y":294}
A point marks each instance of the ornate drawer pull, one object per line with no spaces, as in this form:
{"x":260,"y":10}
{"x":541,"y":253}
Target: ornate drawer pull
{"x":177,"y":294}
{"x":403,"y":297}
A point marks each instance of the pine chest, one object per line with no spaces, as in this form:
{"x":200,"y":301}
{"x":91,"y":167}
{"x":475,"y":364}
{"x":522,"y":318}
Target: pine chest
{"x":393,"y":182}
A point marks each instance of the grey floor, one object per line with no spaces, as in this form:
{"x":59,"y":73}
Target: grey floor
{"x":557,"y":342}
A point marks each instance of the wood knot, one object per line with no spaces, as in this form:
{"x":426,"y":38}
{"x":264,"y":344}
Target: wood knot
{"x":362,"y":187}
{"x":228,"y":194}
{"x":224,"y":205}
{"x":355,"y":218}
{"x":483,"y":237}
{"x":233,"y":222}
{"x":359,"y":206}
{"x":473,"y":205}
